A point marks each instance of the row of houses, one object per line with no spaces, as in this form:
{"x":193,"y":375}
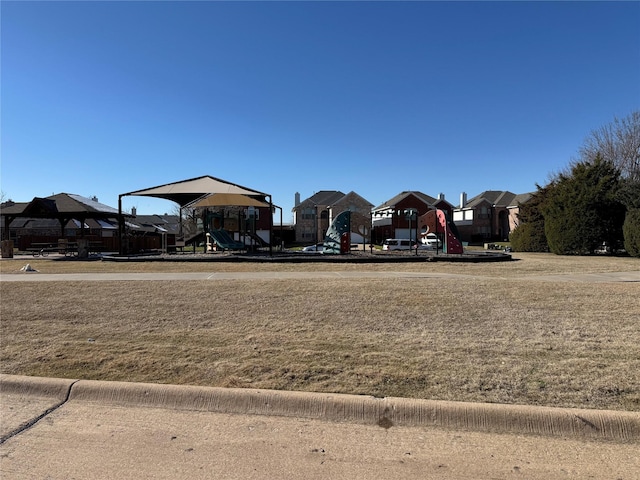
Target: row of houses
{"x":489,"y":216}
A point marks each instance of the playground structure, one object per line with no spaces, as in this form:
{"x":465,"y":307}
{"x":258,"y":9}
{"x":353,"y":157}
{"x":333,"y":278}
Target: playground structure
{"x":435,"y":221}
{"x":220,"y":239}
{"x":205,"y":192}
{"x":338,"y":237}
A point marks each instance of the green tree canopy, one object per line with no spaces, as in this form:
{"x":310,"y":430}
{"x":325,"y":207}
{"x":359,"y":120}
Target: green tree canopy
{"x":631,"y":229}
{"x":582,"y":209}
{"x":529,"y":234}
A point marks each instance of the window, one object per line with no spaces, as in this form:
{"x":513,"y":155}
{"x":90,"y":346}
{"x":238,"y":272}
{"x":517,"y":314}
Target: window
{"x":308,"y":214}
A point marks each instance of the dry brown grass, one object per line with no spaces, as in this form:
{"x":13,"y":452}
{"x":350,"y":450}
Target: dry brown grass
{"x":495,"y":338}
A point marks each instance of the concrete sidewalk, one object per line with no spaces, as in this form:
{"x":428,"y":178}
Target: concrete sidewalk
{"x":612,"y":277}
{"x":62,"y":429}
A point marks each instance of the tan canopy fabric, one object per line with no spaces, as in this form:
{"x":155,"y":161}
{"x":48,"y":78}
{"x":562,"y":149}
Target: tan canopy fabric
{"x":187,"y":191}
{"x":226,"y":199}
{"x":211,"y":191}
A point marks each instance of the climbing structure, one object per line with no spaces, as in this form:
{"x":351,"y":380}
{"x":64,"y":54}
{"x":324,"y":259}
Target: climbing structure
{"x":338,"y":237}
{"x":435,"y":221}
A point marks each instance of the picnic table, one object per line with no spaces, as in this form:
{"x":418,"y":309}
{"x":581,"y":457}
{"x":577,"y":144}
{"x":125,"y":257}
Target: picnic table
{"x":44,"y":248}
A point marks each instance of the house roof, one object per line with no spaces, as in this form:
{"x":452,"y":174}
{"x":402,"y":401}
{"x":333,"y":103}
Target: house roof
{"x":157,"y":223}
{"x":498,"y":198}
{"x":323,"y":197}
{"x":34,"y":223}
{"x":494,"y":197}
{"x":62,"y":206}
{"x":424,"y":198}
{"x":520,"y":199}
{"x":354,"y":194}
{"x":328,"y":198}
{"x":12,"y":208}
{"x":186,"y":191}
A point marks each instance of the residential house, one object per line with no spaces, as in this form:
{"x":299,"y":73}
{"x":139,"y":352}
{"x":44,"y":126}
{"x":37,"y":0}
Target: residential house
{"x":397,"y":217}
{"x":489,"y":216}
{"x":144,"y":232}
{"x":313,"y":216}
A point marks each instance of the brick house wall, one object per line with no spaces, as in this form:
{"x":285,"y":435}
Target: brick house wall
{"x":313,"y":216}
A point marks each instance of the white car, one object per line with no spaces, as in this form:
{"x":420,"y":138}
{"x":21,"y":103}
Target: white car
{"x":317,"y":248}
{"x":431,"y":240}
{"x":391,"y":244}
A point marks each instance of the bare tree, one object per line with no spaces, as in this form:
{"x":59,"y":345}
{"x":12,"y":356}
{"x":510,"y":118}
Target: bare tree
{"x":617,"y":142}
{"x":188,"y":219}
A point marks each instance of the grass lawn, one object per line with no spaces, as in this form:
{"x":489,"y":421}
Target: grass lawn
{"x":494,"y":336}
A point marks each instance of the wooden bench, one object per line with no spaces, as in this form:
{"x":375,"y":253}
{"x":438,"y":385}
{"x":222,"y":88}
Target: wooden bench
{"x":180,"y":244}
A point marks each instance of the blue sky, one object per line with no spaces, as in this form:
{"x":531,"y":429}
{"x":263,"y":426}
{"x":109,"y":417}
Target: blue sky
{"x":103,"y":98}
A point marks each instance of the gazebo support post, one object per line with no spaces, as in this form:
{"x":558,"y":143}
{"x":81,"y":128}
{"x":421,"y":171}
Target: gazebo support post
{"x":271,"y":226}
{"x":120,"y":226}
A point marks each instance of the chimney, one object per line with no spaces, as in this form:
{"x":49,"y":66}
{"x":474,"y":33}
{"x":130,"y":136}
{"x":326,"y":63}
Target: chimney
{"x":441,"y":196}
{"x":463,"y":200}
{"x":297,"y":199}
{"x":133,"y":211}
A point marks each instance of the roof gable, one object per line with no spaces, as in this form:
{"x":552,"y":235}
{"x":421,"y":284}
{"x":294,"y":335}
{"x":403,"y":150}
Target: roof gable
{"x":353,"y":196}
{"x":498,"y":198}
{"x":520,"y":199}
{"x":423,"y":197}
{"x":323,"y":197}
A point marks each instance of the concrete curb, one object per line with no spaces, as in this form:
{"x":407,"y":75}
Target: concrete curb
{"x":55,"y":388}
{"x":384,"y":412}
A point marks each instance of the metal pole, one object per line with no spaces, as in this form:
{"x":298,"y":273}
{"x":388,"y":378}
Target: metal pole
{"x":281,"y":232}
{"x":271,"y":225}
{"x":416,"y":234}
{"x":437,"y":232}
{"x":120,"y":226}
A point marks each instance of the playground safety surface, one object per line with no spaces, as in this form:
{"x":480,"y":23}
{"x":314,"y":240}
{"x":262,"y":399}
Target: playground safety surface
{"x":298,"y":257}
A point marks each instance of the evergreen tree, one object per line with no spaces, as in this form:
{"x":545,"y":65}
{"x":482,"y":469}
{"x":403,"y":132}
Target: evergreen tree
{"x":581,"y":209}
{"x":629,"y":195}
{"x":529,"y":235}
{"x":631,"y":229}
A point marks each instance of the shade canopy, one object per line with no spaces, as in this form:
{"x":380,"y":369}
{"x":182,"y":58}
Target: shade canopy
{"x":226,"y":199}
{"x":212,"y":191}
{"x":187,"y":191}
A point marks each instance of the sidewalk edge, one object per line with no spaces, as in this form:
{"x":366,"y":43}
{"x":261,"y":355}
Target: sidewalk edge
{"x":388,"y":412}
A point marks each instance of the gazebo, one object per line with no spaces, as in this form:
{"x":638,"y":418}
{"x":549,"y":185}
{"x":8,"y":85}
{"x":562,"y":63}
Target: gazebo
{"x":62,"y":207}
{"x":202,"y":192}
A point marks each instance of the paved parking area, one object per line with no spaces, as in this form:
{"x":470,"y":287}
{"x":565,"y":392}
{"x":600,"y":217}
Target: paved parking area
{"x":87,"y":277}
